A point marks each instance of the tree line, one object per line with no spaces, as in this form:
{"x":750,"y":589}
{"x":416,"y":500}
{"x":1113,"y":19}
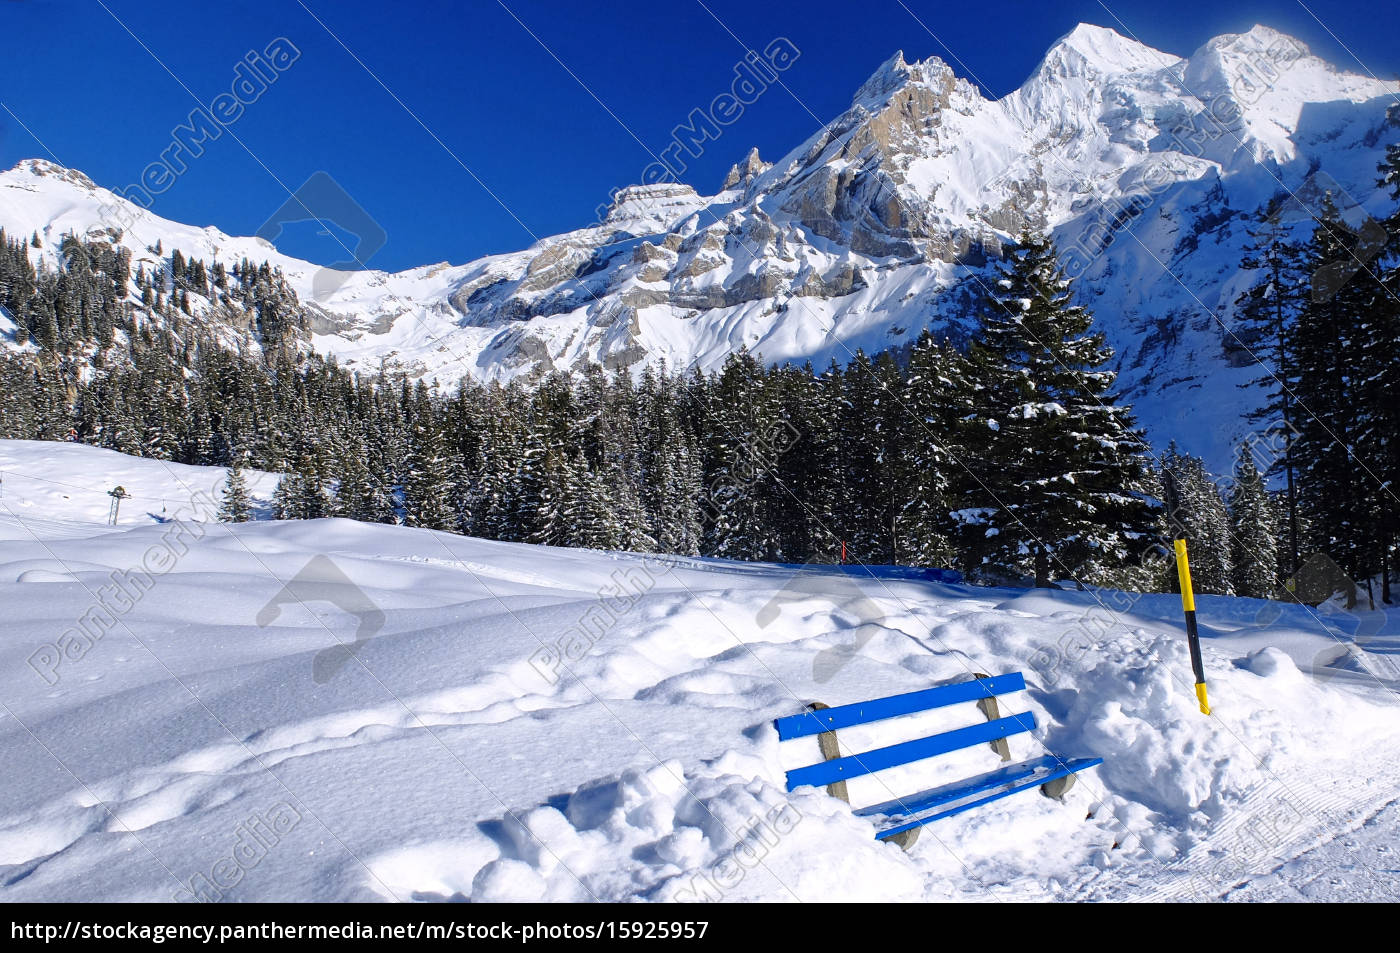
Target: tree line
{"x":1011,"y":458}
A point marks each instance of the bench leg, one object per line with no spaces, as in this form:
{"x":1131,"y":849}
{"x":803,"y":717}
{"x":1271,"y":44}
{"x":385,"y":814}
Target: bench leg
{"x":905,"y":839}
{"x":992,"y":711}
{"x":826,"y":742}
{"x":1058,"y":788}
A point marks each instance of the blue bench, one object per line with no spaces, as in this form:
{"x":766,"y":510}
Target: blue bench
{"x":899,"y":819}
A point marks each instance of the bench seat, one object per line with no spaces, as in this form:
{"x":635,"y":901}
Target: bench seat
{"x":895,"y":817}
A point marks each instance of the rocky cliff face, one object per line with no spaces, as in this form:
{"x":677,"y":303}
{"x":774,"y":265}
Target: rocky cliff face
{"x":1146,"y":166}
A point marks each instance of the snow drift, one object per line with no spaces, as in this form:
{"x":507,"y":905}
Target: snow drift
{"x":525,"y":723}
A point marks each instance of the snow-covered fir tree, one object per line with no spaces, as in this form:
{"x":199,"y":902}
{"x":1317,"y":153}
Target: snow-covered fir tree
{"x":432,"y":487}
{"x":937,"y":398}
{"x":558,"y":482}
{"x":1267,"y":315}
{"x":871,"y":414}
{"x":361,"y":495}
{"x":237,"y":505}
{"x":1197,"y":512}
{"x":741,"y":417}
{"x":1254,"y":523}
{"x":1332,"y":338}
{"x":1060,"y":464}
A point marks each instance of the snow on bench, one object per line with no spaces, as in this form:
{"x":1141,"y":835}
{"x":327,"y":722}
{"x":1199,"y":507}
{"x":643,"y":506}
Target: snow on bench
{"x":899,"y":819}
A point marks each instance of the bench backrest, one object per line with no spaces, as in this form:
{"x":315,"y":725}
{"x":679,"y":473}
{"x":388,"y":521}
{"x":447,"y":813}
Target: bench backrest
{"x":845,"y":716}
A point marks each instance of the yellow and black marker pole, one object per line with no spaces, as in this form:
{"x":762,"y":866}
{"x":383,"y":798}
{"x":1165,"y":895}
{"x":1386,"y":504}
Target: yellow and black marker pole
{"x":1193,"y":635}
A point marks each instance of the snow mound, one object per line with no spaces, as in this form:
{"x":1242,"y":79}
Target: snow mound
{"x":511,"y":722}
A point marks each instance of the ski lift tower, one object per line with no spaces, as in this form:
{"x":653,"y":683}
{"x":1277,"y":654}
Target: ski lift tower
{"x":117,"y":496}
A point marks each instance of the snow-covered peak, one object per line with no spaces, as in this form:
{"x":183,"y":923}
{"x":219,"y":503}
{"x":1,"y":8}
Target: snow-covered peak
{"x":1257,"y":39}
{"x":1091,"y":51}
{"x":1244,"y":65}
{"x":896,"y":74}
{"x":1263,"y":83}
{"x":892,"y":74}
{"x":44,"y":169}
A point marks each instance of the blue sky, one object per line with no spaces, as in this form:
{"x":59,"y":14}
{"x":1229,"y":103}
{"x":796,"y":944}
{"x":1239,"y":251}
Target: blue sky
{"x":508,"y":141}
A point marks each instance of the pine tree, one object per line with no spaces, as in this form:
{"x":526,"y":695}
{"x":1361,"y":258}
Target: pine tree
{"x":870,"y":409}
{"x":612,"y":513}
{"x":590,"y":509}
{"x":558,"y":481}
{"x":301,"y":494}
{"x":1380,"y":439}
{"x":1195,"y":511}
{"x":677,"y":525}
{"x":527,"y":503}
{"x":669,"y":473}
{"x":237,"y":506}
{"x":431,"y":490}
{"x":1337,"y":497}
{"x":741,"y":481}
{"x":938,"y":398}
{"x":1268,"y":315}
{"x":493,"y":506}
{"x":286,"y":498}
{"x":1253,"y":524}
{"x":805,"y":459}
{"x":312,"y":501}
{"x":1061,"y":475}
{"x":362,"y":495}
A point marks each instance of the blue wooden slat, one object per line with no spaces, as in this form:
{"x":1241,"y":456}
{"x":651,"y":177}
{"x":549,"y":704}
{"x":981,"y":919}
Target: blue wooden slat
{"x":860,"y":713}
{"x":1068,"y":767}
{"x":945,"y":794}
{"x":855,"y":766}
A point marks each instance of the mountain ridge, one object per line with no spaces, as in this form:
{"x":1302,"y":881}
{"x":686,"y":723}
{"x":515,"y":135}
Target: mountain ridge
{"x":1145,"y":166}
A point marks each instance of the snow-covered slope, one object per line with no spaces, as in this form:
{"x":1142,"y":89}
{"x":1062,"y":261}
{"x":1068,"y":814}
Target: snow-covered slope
{"x":1145,"y":165}
{"x":518,"y":722}
{"x":73,"y":482}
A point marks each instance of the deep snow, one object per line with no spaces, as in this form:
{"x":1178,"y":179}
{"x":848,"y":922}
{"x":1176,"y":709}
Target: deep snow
{"x":521,"y":722}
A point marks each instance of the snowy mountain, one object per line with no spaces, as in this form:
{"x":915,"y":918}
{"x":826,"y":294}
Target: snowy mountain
{"x":521,"y":723}
{"x":1146,"y":166}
